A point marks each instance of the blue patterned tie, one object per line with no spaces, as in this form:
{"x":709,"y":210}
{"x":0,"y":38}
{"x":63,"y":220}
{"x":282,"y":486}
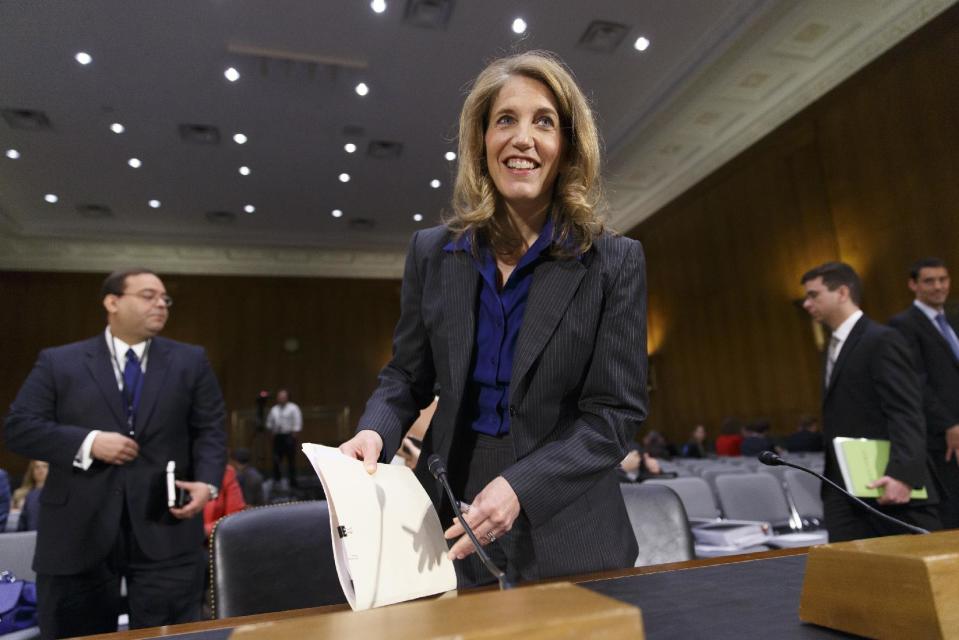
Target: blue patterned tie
{"x":947,"y":333}
{"x":132,"y":374}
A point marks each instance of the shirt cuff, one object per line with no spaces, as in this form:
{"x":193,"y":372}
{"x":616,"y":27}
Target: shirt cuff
{"x":83,"y":459}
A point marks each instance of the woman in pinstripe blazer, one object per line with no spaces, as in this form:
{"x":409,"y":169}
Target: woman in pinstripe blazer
{"x":530,"y":318}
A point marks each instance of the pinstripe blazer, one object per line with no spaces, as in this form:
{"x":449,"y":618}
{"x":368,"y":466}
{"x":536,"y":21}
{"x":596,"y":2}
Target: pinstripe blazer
{"x":577,"y":395}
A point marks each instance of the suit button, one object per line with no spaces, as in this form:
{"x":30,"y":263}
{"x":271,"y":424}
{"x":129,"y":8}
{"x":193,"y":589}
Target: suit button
{"x":512,"y":411}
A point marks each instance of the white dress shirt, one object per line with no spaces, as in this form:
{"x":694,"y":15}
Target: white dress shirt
{"x":285,"y":418}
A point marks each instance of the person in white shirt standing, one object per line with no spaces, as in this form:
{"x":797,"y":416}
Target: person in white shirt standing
{"x":284,"y":421}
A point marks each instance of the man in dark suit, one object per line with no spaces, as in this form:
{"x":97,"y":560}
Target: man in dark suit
{"x":932,"y":338}
{"x":870,"y":391}
{"x":108,"y":413}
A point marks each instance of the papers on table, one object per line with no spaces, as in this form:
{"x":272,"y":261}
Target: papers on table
{"x":387,"y":539}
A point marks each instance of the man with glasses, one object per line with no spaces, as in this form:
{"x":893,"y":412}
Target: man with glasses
{"x":109,"y":413}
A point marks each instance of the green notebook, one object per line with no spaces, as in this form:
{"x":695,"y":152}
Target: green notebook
{"x":862,"y":461}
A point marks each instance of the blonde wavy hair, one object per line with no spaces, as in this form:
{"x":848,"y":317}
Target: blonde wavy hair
{"x":578,"y":191}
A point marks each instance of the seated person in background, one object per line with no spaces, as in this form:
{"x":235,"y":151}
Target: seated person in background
{"x":29,"y":519}
{"x":730,"y":438}
{"x":33,"y":480}
{"x":229,"y":500}
{"x":695,"y":447}
{"x":4,"y":499}
{"x":806,"y":437}
{"x":248,"y":477}
{"x":638,"y":465}
{"x":656,"y":445}
{"x":756,"y":439}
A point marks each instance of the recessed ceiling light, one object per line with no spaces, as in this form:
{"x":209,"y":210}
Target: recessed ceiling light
{"x":154,"y":204}
{"x":244,"y":170}
{"x":336,"y":213}
{"x":13,"y":154}
{"x":362,"y":89}
{"x":231,"y":74}
{"x":435,"y":183}
{"x":344,"y":177}
{"x":116,"y":127}
{"x":519,"y":25}
{"x":450,"y":156}
{"x":135,"y":163}
{"x":83,"y":58}
{"x":239,"y":138}
{"x":641,"y":44}
{"x":378,"y":6}
{"x":51,"y":198}
{"x":249,"y":208}
{"x":418,"y":217}
{"x":349,"y":147}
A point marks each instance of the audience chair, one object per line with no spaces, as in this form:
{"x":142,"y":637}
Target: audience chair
{"x":659,"y":523}
{"x":710,"y":475}
{"x":805,"y":491}
{"x":273,"y":558}
{"x":697,"y":497}
{"x":753,"y":496}
{"x":16,"y":554}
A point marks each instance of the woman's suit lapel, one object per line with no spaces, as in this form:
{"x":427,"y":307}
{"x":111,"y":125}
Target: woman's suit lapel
{"x":460,"y":282}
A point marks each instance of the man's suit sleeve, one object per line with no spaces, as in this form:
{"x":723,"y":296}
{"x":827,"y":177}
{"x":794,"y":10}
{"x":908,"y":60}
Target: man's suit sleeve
{"x":612,"y":404}
{"x":405,"y":385}
{"x":938,"y":416}
{"x":901,"y":401}
{"x":31,"y":426}
{"x":207,"y":425}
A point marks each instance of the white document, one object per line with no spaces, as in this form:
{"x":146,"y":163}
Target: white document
{"x":387,"y":539}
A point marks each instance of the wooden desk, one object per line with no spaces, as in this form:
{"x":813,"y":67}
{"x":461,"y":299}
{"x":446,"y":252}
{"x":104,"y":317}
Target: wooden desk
{"x":628,"y":585}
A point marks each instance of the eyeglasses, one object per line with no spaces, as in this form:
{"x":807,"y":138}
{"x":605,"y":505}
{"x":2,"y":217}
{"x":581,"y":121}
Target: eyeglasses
{"x":150,"y":297}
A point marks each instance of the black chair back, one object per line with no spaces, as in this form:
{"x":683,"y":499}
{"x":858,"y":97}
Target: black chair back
{"x":273,"y":558}
{"x":659,"y":523}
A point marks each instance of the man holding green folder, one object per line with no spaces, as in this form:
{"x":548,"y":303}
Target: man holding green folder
{"x":870,"y":391}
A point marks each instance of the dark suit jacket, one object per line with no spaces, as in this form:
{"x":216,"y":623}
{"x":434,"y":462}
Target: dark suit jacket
{"x":72,"y":390}
{"x":578,"y":389}
{"x":938,"y":372}
{"x":874,"y":393}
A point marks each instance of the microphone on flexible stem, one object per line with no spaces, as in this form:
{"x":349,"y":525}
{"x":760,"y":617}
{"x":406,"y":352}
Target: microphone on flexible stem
{"x":438,"y":468}
{"x":773,"y":460}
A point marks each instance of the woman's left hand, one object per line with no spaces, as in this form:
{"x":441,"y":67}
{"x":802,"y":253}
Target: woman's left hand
{"x":491,"y":516}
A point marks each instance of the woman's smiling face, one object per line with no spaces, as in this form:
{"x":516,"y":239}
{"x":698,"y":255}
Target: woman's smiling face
{"x":524,"y":144}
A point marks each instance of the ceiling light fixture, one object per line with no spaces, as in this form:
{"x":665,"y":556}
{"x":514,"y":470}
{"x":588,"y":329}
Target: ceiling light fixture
{"x":378,"y":6}
{"x":435,"y":183}
{"x":249,"y":208}
{"x":418,"y":217}
{"x":51,"y":198}
{"x":83,"y":58}
{"x":362,"y":89}
{"x":231,"y":74}
{"x":344,"y":177}
{"x":519,"y":26}
{"x":117,"y":128}
{"x":349,"y":147}
{"x":244,"y":170}
{"x":13,"y":154}
{"x":641,"y":44}
{"x":450,"y":156}
{"x":154,"y":204}
{"x":239,"y":138}
{"x":135,"y":163}
{"x":336,"y":213}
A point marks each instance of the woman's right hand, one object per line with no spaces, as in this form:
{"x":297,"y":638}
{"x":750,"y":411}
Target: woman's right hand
{"x":366,"y":445}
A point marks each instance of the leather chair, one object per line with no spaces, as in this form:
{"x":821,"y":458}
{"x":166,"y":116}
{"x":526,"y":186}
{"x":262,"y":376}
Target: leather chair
{"x":273,"y":558}
{"x":659,"y":523}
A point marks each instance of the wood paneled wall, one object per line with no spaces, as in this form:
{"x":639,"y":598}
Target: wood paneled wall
{"x":344,"y":328}
{"x":868,"y":174}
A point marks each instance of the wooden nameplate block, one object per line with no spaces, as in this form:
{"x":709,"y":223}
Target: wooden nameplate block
{"x":558,"y":610}
{"x":894,"y":587}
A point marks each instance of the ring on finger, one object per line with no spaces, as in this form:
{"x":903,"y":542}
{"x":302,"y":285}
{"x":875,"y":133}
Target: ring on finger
{"x":490,"y":536}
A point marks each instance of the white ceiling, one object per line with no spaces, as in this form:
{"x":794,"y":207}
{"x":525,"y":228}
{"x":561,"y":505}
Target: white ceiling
{"x":717,"y":76}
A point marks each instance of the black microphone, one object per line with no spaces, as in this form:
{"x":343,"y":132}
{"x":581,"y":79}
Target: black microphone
{"x":773,"y":460}
{"x":438,"y":468}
